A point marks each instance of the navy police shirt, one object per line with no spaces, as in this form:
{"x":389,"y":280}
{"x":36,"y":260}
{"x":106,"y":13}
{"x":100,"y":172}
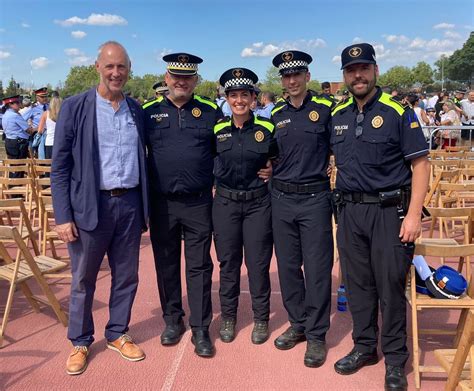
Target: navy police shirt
{"x":373,"y":149}
{"x":181,"y":145}
{"x":303,"y":140}
{"x":241,"y":153}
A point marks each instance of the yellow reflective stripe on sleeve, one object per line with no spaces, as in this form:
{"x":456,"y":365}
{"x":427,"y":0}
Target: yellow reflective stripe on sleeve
{"x":207,"y":102}
{"x":386,"y":99}
{"x":277,"y":109}
{"x":341,"y":106}
{"x":268,"y":125}
{"x":221,"y":125}
{"x":322,"y":101}
{"x":157,"y":100}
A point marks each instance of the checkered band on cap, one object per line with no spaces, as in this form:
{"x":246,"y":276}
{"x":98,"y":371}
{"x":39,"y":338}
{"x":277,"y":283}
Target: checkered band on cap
{"x":293,"y":64}
{"x":242,"y":81}
{"x":182,"y":66}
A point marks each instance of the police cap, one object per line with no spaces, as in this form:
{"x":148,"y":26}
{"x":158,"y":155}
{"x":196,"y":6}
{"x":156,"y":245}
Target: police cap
{"x":460,"y":91}
{"x":292,"y":61}
{"x":446,"y":283}
{"x":182,"y":63}
{"x":160,"y":86}
{"x":358,"y":53}
{"x":11,"y":99}
{"x":238,"y":79}
{"x":43,"y":91}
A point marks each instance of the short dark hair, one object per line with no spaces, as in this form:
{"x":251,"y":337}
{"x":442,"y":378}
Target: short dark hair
{"x":325,"y":84}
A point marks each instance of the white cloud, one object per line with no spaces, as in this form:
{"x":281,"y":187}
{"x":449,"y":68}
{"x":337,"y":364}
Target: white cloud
{"x":336,"y":59}
{"x":397,"y":39}
{"x":260,"y":49}
{"x":4,"y":55}
{"x":164,"y":52}
{"x":81,"y":60}
{"x":73,"y":52}
{"x":380,"y":51}
{"x":452,"y":34}
{"x":94,"y":20}
{"x":417,"y":43}
{"x":78,"y":34}
{"x":40,"y":62}
{"x":468,"y":27}
{"x":25,"y":25}
{"x":443,"y":25}
{"x":357,"y":40}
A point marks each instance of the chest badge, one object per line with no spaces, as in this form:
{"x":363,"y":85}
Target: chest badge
{"x":259,"y":136}
{"x":314,"y":116}
{"x":377,"y":121}
{"x":158,"y":119}
{"x":196,"y":112}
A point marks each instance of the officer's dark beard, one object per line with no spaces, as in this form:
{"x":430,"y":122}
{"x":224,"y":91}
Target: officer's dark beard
{"x":370,"y":87}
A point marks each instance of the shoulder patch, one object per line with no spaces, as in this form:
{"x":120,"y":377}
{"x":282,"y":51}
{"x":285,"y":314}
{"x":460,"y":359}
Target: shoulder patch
{"x":205,"y":101}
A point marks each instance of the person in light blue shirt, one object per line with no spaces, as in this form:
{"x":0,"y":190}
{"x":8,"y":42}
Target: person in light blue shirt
{"x":266,"y":99}
{"x":33,"y":116}
{"x":222,"y":103}
{"x":15,"y":128}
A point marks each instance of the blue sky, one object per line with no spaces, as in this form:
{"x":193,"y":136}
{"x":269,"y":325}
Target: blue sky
{"x":41,"y":40}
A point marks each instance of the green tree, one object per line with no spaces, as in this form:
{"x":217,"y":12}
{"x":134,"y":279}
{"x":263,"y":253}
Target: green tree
{"x":2,"y":95}
{"x":272,"y":81}
{"x":422,"y":73}
{"x":13,"y":88}
{"x":460,"y":65}
{"x":141,"y":87}
{"x":397,"y":77}
{"x":314,"y":85}
{"x":207,"y":88}
{"x":79,"y":79}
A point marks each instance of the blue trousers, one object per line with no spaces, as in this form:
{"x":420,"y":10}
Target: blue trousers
{"x":117,"y":234}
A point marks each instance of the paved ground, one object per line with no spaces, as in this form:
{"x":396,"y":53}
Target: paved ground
{"x":35,"y":350}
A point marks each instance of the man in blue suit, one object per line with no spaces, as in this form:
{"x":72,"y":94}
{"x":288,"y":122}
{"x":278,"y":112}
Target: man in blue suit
{"x":99,"y":192}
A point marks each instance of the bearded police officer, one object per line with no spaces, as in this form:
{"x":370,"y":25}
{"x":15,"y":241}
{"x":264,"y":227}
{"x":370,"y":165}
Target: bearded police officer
{"x":301,"y":208}
{"x":181,"y":150}
{"x":382,"y":178}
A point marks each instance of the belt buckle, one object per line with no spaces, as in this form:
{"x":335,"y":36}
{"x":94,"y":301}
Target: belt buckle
{"x":241,"y":196}
{"x":117,"y":192}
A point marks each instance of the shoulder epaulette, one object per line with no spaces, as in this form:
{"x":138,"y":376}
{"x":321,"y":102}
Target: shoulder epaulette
{"x":206,"y":101}
{"x":265,"y":122}
{"x":223,"y":123}
{"x":387,"y":100}
{"x":342,"y":105}
{"x":321,"y":100}
{"x":148,"y":104}
{"x":279,"y":106}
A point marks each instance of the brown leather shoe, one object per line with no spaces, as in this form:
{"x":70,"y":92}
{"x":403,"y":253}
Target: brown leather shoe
{"x":127,"y":349}
{"x":77,"y":361}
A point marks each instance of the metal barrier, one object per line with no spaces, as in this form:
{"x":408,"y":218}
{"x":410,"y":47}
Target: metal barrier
{"x":453,"y":132}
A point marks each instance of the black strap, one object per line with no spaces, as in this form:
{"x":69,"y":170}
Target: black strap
{"x":305,"y":188}
{"x":238,"y":195}
{"x":362,"y":198}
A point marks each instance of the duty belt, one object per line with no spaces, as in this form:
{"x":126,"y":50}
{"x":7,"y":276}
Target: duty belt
{"x":362,"y":198}
{"x":117,"y":192}
{"x":306,"y":188}
{"x":238,"y":195}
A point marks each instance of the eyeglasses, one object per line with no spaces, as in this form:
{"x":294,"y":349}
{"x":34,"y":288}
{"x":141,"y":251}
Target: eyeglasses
{"x":359,"y":129}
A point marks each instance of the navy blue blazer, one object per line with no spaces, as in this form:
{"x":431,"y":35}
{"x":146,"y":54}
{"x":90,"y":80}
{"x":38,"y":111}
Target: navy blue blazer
{"x":75,"y":168}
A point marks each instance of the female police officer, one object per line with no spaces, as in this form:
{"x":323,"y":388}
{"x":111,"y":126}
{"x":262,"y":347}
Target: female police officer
{"x":241,"y":210}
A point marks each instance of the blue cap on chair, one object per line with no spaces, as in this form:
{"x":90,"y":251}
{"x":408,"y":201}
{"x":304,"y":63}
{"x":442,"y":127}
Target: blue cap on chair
{"x":446,"y":283}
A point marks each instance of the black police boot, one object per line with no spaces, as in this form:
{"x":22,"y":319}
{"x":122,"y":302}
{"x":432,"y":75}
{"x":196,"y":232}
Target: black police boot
{"x":395,"y":378}
{"x":260,"y":332}
{"x":289,"y":339}
{"x":173,"y":333}
{"x":202,"y":343}
{"x":227,"y":330}
{"x":354,"y":361}
{"x":315,"y":355}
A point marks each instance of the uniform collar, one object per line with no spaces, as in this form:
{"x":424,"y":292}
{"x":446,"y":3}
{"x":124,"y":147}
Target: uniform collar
{"x":247,"y":124}
{"x":369,"y":103}
{"x":170,"y":102}
{"x":306,"y":99}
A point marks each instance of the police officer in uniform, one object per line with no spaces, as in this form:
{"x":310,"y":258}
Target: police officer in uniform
{"x":377,"y":143}
{"x":301,"y":208}
{"x":160,"y":88}
{"x":16,"y":130}
{"x":33,"y":116}
{"x":242,"y":210}
{"x":181,"y":150}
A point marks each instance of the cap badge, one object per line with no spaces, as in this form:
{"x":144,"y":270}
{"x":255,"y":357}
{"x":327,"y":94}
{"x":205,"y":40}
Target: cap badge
{"x":196,"y":112}
{"x":287,"y":56}
{"x":259,"y":136}
{"x":377,"y":122}
{"x":237,"y":73}
{"x":183,"y":59}
{"x":355,"y":51}
{"x":314,"y":116}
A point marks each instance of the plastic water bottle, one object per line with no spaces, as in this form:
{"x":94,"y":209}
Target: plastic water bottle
{"x":341,"y":299}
